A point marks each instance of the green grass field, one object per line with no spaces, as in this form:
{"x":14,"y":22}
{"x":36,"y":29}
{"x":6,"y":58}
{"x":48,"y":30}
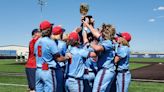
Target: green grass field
{"x":136,"y":65}
{"x":10,"y":66}
{"x":134,"y":87}
{"x":146,"y":87}
{"x":146,"y":59}
{"x":4,"y":88}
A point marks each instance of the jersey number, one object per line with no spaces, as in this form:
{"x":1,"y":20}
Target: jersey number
{"x":39,"y":51}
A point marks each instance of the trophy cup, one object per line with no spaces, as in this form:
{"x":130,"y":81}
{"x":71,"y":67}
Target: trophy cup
{"x":84,"y":9}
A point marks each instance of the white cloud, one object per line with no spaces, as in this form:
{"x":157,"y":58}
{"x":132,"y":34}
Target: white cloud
{"x":160,"y":8}
{"x":151,"y":20}
{"x":155,"y":18}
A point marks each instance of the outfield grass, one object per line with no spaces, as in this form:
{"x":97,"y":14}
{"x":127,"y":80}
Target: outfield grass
{"x":134,"y":87}
{"x":146,"y":87}
{"x":136,"y":65}
{"x":6,"y":88}
{"x":13,"y":79}
{"x":9,"y":65}
{"x":146,"y":59}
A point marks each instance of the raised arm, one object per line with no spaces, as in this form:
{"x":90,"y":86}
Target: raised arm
{"x":85,"y":39}
{"x":94,"y":32}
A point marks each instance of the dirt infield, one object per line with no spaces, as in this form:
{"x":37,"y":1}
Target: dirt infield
{"x":154,"y":71}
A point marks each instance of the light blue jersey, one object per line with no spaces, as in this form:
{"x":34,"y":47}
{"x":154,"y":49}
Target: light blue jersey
{"x":106,"y":58}
{"x":90,"y":63}
{"x":106,"y":66}
{"x":45,"y":49}
{"x":90,"y":71}
{"x":124,"y":75}
{"x":124,"y":53}
{"x":76,"y":68}
{"x":62,"y":47}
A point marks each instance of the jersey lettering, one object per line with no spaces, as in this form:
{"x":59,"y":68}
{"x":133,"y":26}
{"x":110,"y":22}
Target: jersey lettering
{"x":39,"y":51}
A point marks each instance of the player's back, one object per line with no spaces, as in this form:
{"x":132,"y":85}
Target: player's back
{"x":45,"y":48}
{"x":62,"y":47}
{"x":77,"y":66}
{"x":124,"y":53}
{"x":106,"y":57}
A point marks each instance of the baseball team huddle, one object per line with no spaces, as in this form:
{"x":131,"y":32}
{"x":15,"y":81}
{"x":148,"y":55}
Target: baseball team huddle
{"x":89,"y":59}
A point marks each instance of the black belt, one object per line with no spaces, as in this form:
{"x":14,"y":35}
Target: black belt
{"x":75,"y":77}
{"x":122,"y":71}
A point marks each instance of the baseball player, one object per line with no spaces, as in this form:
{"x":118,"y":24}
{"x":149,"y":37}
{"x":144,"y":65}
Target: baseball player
{"x":91,"y":63}
{"x":31,"y":62}
{"x":74,"y":82}
{"x":105,"y":58}
{"x":57,"y":33}
{"x":122,"y":60}
{"x":90,"y":71}
{"x":47,"y":55}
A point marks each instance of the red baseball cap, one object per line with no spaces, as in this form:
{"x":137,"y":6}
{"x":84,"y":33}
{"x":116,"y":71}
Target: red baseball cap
{"x":125,"y":35}
{"x":57,"y":30}
{"x":45,"y":25}
{"x":73,"y":36}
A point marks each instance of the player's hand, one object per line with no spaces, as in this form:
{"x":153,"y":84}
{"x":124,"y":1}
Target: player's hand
{"x":68,"y":55}
{"x":85,"y":23}
{"x":92,"y":20}
{"x":82,"y":18}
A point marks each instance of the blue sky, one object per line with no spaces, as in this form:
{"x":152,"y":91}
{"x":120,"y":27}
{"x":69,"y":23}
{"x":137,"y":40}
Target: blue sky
{"x":144,"y":19}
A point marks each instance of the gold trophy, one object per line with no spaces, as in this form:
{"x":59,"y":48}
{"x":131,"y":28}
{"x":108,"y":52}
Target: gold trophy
{"x":84,"y":9}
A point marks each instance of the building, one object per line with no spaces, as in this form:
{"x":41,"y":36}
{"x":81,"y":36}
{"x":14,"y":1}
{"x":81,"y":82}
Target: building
{"x":147,"y":55}
{"x":14,"y":50}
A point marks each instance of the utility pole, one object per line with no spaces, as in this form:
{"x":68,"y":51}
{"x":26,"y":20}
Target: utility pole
{"x":42,"y":3}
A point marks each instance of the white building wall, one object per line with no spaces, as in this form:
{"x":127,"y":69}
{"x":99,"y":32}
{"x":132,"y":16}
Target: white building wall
{"x":19,"y":49}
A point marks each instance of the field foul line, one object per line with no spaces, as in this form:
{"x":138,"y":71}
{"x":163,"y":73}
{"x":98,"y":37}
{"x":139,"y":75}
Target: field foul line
{"x":7,"y":84}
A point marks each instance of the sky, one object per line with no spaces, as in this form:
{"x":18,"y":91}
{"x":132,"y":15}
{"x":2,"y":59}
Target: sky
{"x":143,"y":19}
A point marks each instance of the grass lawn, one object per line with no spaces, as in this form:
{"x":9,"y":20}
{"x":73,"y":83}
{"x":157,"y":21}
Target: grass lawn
{"x":6,"y":88}
{"x":134,"y":87}
{"x":146,"y":87}
{"x":10,"y":65}
{"x":136,"y":65}
{"x":13,"y":79}
{"x":146,"y":59}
